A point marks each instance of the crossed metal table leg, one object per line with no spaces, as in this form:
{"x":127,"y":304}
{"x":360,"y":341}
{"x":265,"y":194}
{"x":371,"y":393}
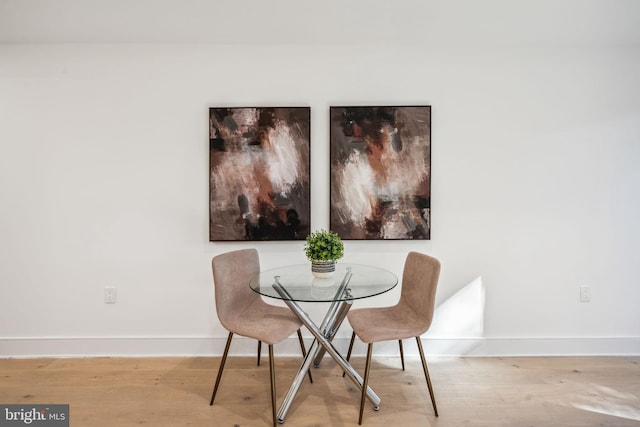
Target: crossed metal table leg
{"x":322,"y":343}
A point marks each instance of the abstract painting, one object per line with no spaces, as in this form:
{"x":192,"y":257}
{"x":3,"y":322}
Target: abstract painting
{"x":381,"y":172}
{"x":259,"y":182}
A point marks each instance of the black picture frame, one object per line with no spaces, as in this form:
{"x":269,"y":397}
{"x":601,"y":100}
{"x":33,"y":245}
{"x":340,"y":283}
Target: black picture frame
{"x":380,"y":179}
{"x":259,"y":173}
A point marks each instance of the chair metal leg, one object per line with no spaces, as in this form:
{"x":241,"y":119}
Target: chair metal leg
{"x":353,"y":337}
{"x":365,"y":382}
{"x":426,"y":375}
{"x":273,"y":385}
{"x":259,"y":349}
{"x":221,"y":368}
{"x":304,"y":353}
{"x":401,"y":353}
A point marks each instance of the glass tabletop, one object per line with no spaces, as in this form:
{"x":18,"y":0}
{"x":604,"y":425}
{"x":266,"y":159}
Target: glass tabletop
{"x":350,"y":281}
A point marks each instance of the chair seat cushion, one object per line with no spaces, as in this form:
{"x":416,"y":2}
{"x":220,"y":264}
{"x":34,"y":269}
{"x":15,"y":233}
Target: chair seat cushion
{"x":386,"y":323}
{"x":265,"y":322}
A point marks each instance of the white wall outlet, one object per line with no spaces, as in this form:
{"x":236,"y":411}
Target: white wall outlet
{"x":110,"y":295}
{"x":585,"y":294}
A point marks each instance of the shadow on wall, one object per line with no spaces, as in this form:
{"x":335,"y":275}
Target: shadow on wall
{"x":458,"y":323}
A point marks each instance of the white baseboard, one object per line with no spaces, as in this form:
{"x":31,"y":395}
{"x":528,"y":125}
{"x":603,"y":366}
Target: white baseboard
{"x":562,"y":346}
{"x":204,"y":346}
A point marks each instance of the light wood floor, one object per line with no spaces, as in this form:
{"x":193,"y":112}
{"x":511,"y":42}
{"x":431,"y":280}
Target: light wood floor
{"x":561,"y":391}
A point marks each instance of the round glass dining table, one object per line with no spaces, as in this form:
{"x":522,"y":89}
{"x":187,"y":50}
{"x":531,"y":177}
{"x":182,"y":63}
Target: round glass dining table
{"x":364,"y":281}
{"x":294,"y":284}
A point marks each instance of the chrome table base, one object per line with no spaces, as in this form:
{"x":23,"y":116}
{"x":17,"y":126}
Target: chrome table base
{"x":322,"y":343}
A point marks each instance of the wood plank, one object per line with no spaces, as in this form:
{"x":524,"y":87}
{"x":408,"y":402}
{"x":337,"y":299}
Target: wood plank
{"x":538,"y":391}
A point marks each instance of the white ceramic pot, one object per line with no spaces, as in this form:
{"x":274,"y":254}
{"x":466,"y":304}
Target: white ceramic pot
{"x":323,"y":269}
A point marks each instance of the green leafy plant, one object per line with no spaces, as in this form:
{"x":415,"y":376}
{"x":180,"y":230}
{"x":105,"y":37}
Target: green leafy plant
{"x":323,"y":245}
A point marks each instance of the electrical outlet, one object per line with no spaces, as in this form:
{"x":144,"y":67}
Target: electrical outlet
{"x":110,"y":295}
{"x":585,"y":294}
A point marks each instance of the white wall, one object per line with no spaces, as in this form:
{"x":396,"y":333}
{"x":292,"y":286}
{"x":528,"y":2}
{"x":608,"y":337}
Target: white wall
{"x":104,"y":182}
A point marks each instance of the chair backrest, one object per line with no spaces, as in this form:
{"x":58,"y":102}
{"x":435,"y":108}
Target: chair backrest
{"x":419,"y":283}
{"x":231,"y":274}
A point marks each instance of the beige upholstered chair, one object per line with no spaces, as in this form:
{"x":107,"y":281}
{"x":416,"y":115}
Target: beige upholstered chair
{"x":242,"y":311}
{"x":410,"y":317}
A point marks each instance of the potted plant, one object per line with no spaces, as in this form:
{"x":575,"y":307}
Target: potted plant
{"x":323,"y":248}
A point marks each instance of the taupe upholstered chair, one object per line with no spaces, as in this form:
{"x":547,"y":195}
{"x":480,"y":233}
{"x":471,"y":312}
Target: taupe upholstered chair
{"x":410,"y":317}
{"x":243,"y":312}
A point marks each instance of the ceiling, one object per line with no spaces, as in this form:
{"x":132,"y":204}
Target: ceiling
{"x":324,"y":22}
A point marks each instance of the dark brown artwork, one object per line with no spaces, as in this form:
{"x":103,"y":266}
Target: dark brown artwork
{"x":381,"y":172}
{"x":259,"y":173}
